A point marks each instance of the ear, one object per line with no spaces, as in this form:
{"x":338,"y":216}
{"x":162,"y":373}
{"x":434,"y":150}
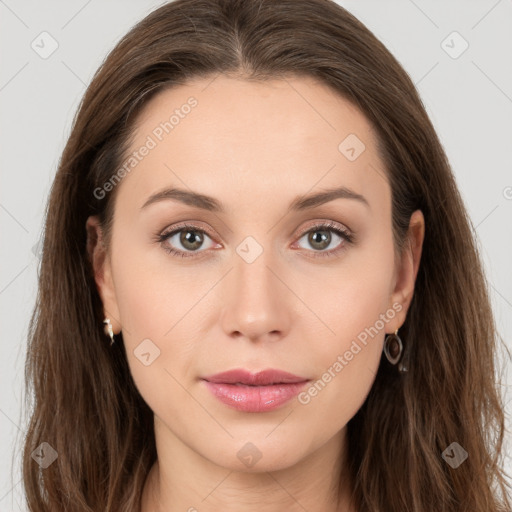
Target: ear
{"x":101,"y":265}
{"x":407,"y":270}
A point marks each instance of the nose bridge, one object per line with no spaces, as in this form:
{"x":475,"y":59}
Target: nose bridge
{"x":256,"y":304}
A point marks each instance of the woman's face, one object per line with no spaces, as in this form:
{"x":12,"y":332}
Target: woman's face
{"x":263,"y":283}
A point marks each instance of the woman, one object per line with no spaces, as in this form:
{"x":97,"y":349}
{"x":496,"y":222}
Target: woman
{"x":259,"y":287}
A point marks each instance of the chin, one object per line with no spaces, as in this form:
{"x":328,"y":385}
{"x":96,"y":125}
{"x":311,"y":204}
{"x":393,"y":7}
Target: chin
{"x":258,"y":455}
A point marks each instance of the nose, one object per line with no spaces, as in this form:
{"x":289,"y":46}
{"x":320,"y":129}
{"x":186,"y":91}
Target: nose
{"x":257,"y":303}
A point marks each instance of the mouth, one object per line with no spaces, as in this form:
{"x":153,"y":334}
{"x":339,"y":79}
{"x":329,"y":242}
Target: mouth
{"x":255,"y":392}
{"x":262,"y":378}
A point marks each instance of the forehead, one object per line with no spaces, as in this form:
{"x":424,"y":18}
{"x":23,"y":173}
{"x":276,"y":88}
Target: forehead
{"x":237,"y":139}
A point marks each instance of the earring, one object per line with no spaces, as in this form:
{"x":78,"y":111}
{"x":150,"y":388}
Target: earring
{"x":108,"y":330}
{"x":393,"y":349}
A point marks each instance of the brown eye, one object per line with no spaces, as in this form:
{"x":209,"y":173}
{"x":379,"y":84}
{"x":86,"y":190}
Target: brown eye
{"x":319,"y":239}
{"x":185,"y":241}
{"x":322,"y":236}
{"x":191,"y":240}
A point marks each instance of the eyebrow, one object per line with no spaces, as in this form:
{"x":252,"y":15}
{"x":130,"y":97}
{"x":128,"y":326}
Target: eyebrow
{"x":211,"y":204}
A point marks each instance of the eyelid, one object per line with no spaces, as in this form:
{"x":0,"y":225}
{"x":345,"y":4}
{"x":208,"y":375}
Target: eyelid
{"x":195,"y":225}
{"x":327,"y":224}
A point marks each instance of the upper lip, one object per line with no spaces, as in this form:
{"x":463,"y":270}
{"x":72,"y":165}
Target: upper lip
{"x":262,"y":378}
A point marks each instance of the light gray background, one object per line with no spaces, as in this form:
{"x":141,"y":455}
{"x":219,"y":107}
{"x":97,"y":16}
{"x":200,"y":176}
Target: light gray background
{"x":468,"y":98}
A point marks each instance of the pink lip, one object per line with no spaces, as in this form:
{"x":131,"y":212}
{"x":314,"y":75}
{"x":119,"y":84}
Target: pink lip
{"x":259,"y":392}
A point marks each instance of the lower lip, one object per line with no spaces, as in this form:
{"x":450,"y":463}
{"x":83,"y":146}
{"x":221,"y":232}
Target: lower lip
{"x":255,"y":398}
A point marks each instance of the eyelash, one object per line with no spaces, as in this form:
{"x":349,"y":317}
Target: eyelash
{"x":347,"y":237}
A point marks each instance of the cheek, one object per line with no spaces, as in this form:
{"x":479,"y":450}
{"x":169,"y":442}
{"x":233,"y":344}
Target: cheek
{"x":354,"y":308}
{"x":153,"y":315}
{"x":152,"y":305}
{"x":152,"y":290}
{"x":353,"y":296}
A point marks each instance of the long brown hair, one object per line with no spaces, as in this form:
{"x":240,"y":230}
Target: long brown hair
{"x":83,"y":401}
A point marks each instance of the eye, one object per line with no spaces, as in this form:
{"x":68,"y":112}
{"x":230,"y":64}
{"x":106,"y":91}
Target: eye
{"x":320,"y":236}
{"x":191,"y":238}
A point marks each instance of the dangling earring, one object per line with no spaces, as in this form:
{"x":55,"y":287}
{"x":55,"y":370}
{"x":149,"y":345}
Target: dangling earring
{"x":393,"y":350}
{"x":108,"y":330}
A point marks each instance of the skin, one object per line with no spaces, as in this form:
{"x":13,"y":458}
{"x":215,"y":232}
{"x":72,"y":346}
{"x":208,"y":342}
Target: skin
{"x":254,"y":147}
